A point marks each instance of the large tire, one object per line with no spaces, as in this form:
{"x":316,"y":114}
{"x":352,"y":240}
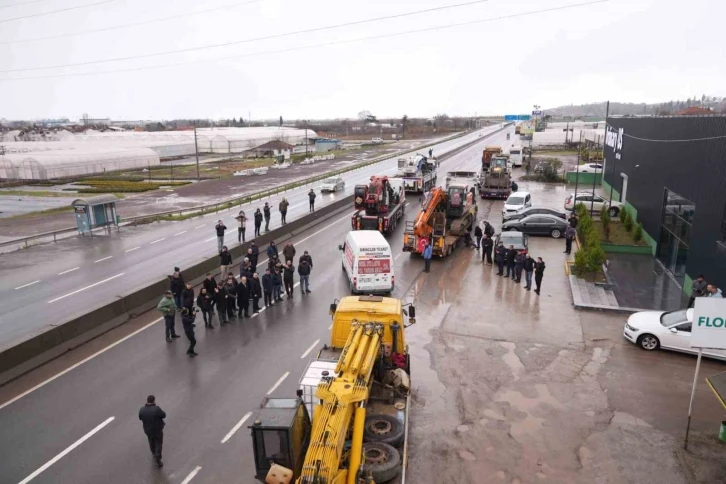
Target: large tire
{"x":614,"y":211}
{"x":381,"y":460}
{"x":648,"y":342}
{"x":383,"y":428}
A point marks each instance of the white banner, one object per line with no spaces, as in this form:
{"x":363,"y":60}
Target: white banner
{"x":709,"y":323}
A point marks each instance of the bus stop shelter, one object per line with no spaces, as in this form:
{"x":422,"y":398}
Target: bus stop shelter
{"x":94,"y":212}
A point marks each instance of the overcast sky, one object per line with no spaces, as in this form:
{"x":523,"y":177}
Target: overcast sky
{"x":622,"y":50}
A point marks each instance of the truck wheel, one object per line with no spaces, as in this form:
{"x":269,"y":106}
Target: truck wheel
{"x":383,"y":428}
{"x":381,"y":460}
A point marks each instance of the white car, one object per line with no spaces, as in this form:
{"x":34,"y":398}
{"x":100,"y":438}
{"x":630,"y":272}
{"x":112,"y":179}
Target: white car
{"x":590,"y":168}
{"x":377,"y":141}
{"x":668,"y":330}
{"x":597,"y":202}
{"x":517,"y":201}
{"x":332,"y":185}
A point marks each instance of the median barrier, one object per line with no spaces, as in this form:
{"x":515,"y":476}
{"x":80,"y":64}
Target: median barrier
{"x":57,"y":340}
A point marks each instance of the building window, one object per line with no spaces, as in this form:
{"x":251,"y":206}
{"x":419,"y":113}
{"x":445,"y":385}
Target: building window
{"x":676,"y":222}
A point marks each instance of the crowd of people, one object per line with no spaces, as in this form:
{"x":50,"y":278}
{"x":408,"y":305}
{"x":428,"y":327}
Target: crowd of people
{"x":701,"y":288}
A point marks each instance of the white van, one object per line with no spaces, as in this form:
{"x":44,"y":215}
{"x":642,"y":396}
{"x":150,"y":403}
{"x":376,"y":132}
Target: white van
{"x":515,"y":155}
{"x":368,"y":262}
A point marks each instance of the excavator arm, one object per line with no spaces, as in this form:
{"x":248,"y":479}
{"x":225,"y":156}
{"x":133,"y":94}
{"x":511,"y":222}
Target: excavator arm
{"x":424,"y":220}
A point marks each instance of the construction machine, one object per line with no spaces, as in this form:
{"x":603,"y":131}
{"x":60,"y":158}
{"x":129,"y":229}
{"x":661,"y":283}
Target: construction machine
{"x":446,"y":217}
{"x":496,"y":180}
{"x":486,"y":156}
{"x":357,"y":390}
{"x":417,"y":172}
{"x":380,"y":204}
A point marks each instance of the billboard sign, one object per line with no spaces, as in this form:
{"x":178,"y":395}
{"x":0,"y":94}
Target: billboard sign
{"x":517,"y":117}
{"x":537,"y":113}
{"x":614,"y":139}
{"x":709,"y":323}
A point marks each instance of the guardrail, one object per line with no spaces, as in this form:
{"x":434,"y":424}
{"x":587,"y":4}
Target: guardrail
{"x":200,"y":210}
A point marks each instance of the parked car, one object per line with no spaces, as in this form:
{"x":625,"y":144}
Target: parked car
{"x":332,"y":184}
{"x":597,"y":202}
{"x":526,"y":212}
{"x":519,"y":240}
{"x":517,"y":201}
{"x":590,"y":168}
{"x":377,"y":141}
{"x":670,"y":330}
{"x":538,"y":225}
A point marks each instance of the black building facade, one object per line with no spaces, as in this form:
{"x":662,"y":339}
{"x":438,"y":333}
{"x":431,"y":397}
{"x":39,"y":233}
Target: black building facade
{"x":671,"y":172}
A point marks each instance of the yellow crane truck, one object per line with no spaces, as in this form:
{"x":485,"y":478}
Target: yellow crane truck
{"x":357,"y":390}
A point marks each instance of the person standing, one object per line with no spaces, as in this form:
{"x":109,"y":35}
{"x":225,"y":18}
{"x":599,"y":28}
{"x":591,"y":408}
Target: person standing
{"x":230,"y":288}
{"x":539,"y":268}
{"x":254,"y":254}
{"x":246,"y":269}
{"x":243,"y":297}
{"x":698,"y":287}
{"x":225,"y":263}
{"x":276,"y":284}
{"x":714,"y":291}
{"x":255,"y":292}
{"x":428,"y":252}
{"x":511,"y":254}
{"x":573,"y":220}
{"x":272,"y":253}
{"x":488,"y":245}
{"x":569,"y":237}
{"x":268,"y":214}
{"x":307,"y":258}
{"x":258,"y":222}
{"x":528,"y":270}
{"x":167,"y":307}
{"x":303,"y":269}
{"x":220,"y":228}
{"x":210,"y":284}
{"x":187,"y":297}
{"x":241,"y":226}
{"x":267,"y":287}
{"x":221,"y":297}
{"x":478,"y":233}
{"x":288,"y":277}
{"x":431,"y":152}
{"x":289,"y":252}
{"x":152,"y":418}
{"x":205,"y":302}
{"x":488,"y":230}
{"x":519,"y":266}
{"x":177,"y":287}
{"x":187,"y":318}
{"x":283,"y":209}
{"x":501,"y":257}
{"x":311,"y":199}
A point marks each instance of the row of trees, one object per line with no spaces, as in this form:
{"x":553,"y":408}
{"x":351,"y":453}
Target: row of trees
{"x":715,"y":103}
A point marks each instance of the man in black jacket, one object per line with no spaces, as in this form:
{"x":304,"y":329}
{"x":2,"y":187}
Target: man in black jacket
{"x":478,"y":233}
{"x":225,"y":263}
{"x":488,"y":229}
{"x":254,"y":254}
{"x":187,"y":318}
{"x":187,"y":297}
{"x":243,"y":297}
{"x":209,"y":283}
{"x":152,"y":417}
{"x":307,"y":257}
{"x":511,"y":254}
{"x":177,"y":286}
{"x":230,"y":287}
{"x":221,"y":298}
{"x":488,"y":244}
{"x":528,"y":270}
{"x":276,"y":274}
{"x":220,"y":228}
{"x":205,"y":302}
{"x":539,"y":268}
{"x":501,"y":257}
{"x":303,"y":268}
{"x":267,"y":287}
{"x":519,"y":266}
{"x":255,"y":292}
{"x":311,"y":198}
{"x":258,"y":222}
{"x":266,"y":211}
{"x":288,"y":276}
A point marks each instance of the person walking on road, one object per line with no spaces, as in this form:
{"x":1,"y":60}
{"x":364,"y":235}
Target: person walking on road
{"x":428,"y":252}
{"x":167,"y":307}
{"x":258,"y":222}
{"x":220,"y":228}
{"x":241,"y":226}
{"x":698,"y":289}
{"x":528,"y":270}
{"x":478,"y":233}
{"x":569,"y":237}
{"x":187,"y":297}
{"x":303,"y":269}
{"x":255,"y":292}
{"x":283,"y":210}
{"x":205,"y":302}
{"x":177,"y":287}
{"x":289,"y":252}
{"x":431,"y":152}
{"x":254,"y":254}
{"x":539,"y":268}
{"x":187,"y":318}
{"x":501,"y":257}
{"x":267,"y":287}
{"x":243,"y":297}
{"x":230,"y":287}
{"x":225,"y":263}
{"x":488,"y":245}
{"x":221,"y":297}
{"x":519,"y":266}
{"x":311,"y":199}
{"x":272,"y":251}
{"x":152,"y":418}
{"x":266,"y":212}
{"x":511,"y":254}
{"x":288,"y":277}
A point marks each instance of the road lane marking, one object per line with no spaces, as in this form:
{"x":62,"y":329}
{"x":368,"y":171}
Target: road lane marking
{"x":278,"y":382}
{"x":211,"y":238}
{"x":312,"y":347}
{"x":236,"y":427}
{"x":84,"y":288}
{"x":330,"y":327}
{"x":325,"y":228}
{"x":69,"y":270}
{"x":73,"y":367}
{"x":101,"y":260}
{"x":133,"y":248}
{"x":67,"y":451}
{"x":28,"y":284}
{"x":158,"y":240}
{"x":195,"y":228}
{"x":184,"y":231}
{"x":399,"y":255}
{"x":191,"y":475}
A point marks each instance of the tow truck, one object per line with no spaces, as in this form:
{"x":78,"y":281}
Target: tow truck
{"x":380,"y":204}
{"x":417,"y":172}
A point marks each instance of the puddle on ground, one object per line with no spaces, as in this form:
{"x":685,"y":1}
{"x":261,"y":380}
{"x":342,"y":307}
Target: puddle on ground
{"x":523,"y":429}
{"x":512,"y":360}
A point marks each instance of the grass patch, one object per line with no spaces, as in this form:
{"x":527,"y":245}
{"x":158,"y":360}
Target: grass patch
{"x":538,"y":177}
{"x":38,"y":193}
{"x":41,"y":212}
{"x":207,"y":171}
{"x":554,"y":153}
{"x":107,"y":186}
{"x":618,"y":235}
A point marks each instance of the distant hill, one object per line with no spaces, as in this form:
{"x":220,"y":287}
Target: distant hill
{"x":597,"y":110}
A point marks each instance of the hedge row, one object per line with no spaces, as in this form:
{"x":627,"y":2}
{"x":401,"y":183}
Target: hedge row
{"x":591,"y":256}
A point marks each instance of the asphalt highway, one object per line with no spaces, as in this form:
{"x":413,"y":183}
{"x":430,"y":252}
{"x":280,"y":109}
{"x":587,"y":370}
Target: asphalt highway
{"x":67,"y":279}
{"x":81,"y":425}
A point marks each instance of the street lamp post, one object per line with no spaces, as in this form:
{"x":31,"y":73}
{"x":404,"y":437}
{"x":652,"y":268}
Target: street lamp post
{"x":196,"y":149}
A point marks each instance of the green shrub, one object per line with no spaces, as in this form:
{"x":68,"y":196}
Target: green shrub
{"x":595,"y":257}
{"x":584,"y":228}
{"x":580,"y":265}
{"x":638,"y":232}
{"x":622,"y":214}
{"x":581,"y":210}
{"x":628,"y":222}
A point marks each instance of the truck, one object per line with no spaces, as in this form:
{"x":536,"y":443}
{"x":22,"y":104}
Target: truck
{"x":489,"y":151}
{"x":417,"y":172}
{"x":348,"y":423}
{"x":496,"y":178}
{"x":446,"y":218}
{"x":380,"y":204}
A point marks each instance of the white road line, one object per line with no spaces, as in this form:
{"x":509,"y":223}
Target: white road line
{"x":184,"y":231}
{"x":191,"y":475}
{"x":330,"y":327}
{"x":84,"y":288}
{"x":132,"y":249}
{"x":28,"y":284}
{"x":69,"y":270}
{"x":158,"y":240}
{"x":211,"y":238}
{"x":71,"y":368}
{"x":195,"y":228}
{"x":101,"y":260}
{"x":312,"y":347}
{"x":399,"y":255}
{"x":67,"y":451}
{"x":278,"y":382}
{"x":236,"y":427}
{"x":324,"y":228}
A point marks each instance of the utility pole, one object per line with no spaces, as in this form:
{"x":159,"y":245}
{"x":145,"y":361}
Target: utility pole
{"x":306,"y":137}
{"x":612,"y":181}
{"x":577,"y":177}
{"x":196,"y":149}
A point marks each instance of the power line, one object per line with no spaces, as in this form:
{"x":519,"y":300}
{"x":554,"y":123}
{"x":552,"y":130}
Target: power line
{"x":237,"y":42}
{"x":21,"y":4}
{"x":708,"y":138}
{"x":313,"y":46}
{"x":2,"y":21}
{"x":133,"y":24}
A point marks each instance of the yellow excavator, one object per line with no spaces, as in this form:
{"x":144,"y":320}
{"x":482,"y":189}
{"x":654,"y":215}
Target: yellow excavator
{"x":358,"y":393}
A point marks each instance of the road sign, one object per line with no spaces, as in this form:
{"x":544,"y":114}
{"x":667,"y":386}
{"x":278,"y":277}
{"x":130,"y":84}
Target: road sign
{"x":537,"y":113}
{"x":517,"y":117}
{"x":709,"y":323}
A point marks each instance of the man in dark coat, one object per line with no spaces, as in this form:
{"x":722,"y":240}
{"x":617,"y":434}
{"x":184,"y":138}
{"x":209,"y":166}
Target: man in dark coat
{"x":253,"y":252}
{"x":209,"y":283}
{"x":187,"y":318}
{"x":266,"y":212}
{"x":307,"y":257}
{"x":177,"y":286}
{"x":205,"y":302}
{"x":276,"y":284}
{"x":283,"y":209}
{"x":220,"y":228}
{"x":573,"y":220}
{"x":267,"y":287}
{"x":488,"y":230}
{"x":539,"y":268}
{"x":289,"y":252}
{"x":569,"y":237}
{"x":152,"y":417}
{"x":488,"y":245}
{"x":511,"y":254}
{"x":519,"y":266}
{"x":303,"y":269}
{"x":272,"y":250}
{"x":246,"y":269}
{"x":478,"y":233}
{"x":288,"y":271}
{"x":221,"y":297}
{"x":187,"y":297}
{"x":255,"y":292}
{"x":501,"y":257}
{"x":225,"y":263}
{"x":258,"y":222}
{"x":230,"y":287}
{"x":311,"y":198}
{"x":528,"y":270}
{"x":243,"y":297}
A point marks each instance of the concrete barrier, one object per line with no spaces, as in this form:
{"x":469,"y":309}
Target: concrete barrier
{"x":53,"y":342}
